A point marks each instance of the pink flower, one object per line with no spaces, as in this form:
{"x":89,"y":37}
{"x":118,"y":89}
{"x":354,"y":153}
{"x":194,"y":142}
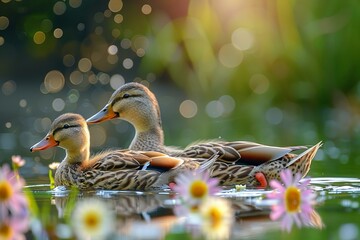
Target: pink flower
{"x":18,"y":161}
{"x":295,"y":200}
{"x":194,"y":187}
{"x":14,"y":227}
{"x":12,"y":200}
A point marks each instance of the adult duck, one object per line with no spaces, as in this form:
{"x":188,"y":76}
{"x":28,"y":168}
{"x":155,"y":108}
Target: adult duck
{"x":136,"y":104}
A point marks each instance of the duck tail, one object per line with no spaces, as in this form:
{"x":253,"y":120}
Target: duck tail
{"x":307,"y":155}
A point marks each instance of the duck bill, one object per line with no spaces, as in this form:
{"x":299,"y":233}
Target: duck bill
{"x":103,"y":115}
{"x":45,"y":143}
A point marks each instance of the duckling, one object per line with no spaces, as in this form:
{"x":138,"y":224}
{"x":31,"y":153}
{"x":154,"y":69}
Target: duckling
{"x":136,"y":104}
{"x":111,"y":169}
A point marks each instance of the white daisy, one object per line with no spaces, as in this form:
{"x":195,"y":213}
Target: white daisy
{"x":217,"y":218}
{"x":92,"y":219}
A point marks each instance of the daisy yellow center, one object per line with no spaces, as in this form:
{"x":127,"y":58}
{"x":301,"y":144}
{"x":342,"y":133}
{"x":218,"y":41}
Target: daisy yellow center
{"x":198,"y":189}
{"x":292,"y":199}
{"x":215,"y":215}
{"x":92,"y":220}
{"x":6,"y":191}
{"x":5,"y":231}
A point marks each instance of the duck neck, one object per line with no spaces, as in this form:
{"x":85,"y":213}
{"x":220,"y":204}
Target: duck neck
{"x":78,"y":155}
{"x":150,"y":139}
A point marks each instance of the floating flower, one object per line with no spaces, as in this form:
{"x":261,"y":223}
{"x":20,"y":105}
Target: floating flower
{"x":295,"y":200}
{"x":92,"y":219}
{"x":217,"y":218}
{"x":194,"y":187}
{"x":12,"y":200}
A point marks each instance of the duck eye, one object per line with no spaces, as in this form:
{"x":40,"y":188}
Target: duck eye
{"x":126,"y":95}
{"x":66,"y":126}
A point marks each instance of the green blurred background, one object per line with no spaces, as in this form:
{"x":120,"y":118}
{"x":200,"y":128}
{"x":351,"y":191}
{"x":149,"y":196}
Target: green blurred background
{"x":275,"y":72}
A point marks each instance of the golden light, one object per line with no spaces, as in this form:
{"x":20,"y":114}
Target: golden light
{"x":118,"y":18}
{"x":39,"y":37}
{"x":76,"y":77}
{"x":54,"y":81}
{"x":115,"y":5}
{"x":188,"y":109}
{"x":112,"y":50}
{"x":4,"y":22}
{"x":229,"y":56}
{"x":59,"y":8}
{"x":58,"y":33}
{"x":242,"y":39}
{"x":146,"y":9}
{"x":75,"y":3}
{"x":84,"y":65}
{"x":2,"y":41}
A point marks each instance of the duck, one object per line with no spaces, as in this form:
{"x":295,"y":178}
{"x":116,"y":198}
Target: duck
{"x":136,"y":104}
{"x":110,"y":169}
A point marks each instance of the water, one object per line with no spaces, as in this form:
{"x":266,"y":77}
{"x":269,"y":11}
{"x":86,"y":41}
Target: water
{"x":336,"y":214}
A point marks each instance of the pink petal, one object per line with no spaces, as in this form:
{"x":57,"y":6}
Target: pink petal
{"x":276,"y":185}
{"x":276,"y":212}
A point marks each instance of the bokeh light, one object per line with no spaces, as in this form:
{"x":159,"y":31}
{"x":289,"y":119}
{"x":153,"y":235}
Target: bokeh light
{"x":112,"y":50}
{"x":115,"y":5}
{"x":54,"y":81}
{"x":58,"y":104}
{"x":59,"y":8}
{"x":116,"y":81}
{"x":75,"y":3}
{"x":76,"y":77}
{"x":2,"y":41}
{"x":242,"y":39}
{"x":118,"y":18}
{"x":97,"y":135}
{"x":58,"y":33}
{"x":39,"y":37}
{"x":4,"y":22}
{"x":259,"y":84}
{"x":84,"y":65}
{"x":146,"y":9}
{"x":188,"y":109}
{"x":8,"y":88}
{"x":229,"y":56}
{"x":128,"y":63}
{"x":215,"y":109}
{"x":69,"y":60}
{"x":22,"y":103}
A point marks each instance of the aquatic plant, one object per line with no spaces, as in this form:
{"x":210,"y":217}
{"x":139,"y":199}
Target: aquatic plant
{"x":294,"y":200}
